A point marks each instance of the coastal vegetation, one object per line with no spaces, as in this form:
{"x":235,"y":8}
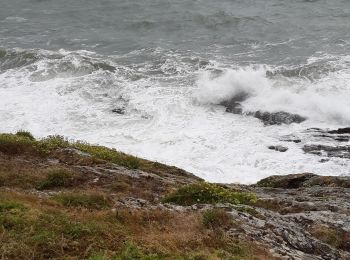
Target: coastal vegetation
{"x":204,"y":192}
{"x":65,"y":199}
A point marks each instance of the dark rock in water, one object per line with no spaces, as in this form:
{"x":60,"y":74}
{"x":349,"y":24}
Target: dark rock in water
{"x":233,"y":105}
{"x":340,"y":131}
{"x":324,"y":160}
{"x":103,"y":66}
{"x":290,"y":138}
{"x":304,"y":180}
{"x":278,"y":118}
{"x":329,"y":151}
{"x":339,"y":135}
{"x":269,"y":118}
{"x":278,"y":148}
{"x":328,"y":181}
{"x":342,"y":139}
{"x":120,"y":111}
{"x":291,"y":181}
{"x":294,"y":181}
{"x":120,"y":105}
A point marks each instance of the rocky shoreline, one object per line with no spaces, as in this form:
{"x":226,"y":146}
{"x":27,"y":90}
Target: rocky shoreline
{"x":299,"y":216}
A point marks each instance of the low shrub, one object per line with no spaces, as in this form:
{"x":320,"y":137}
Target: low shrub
{"x":24,"y":143}
{"x":216,"y":218}
{"x":119,"y":186}
{"x":204,"y":192}
{"x":26,"y":134}
{"x":327,"y":235}
{"x":16,"y":144}
{"x":55,"y":178}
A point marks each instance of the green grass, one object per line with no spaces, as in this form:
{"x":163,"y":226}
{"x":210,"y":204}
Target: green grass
{"x":26,"y":230}
{"x":82,"y":200}
{"x":24,"y":143}
{"x":204,"y":192}
{"x":38,"y":227}
{"x":10,"y":207}
{"x":11,"y":213}
{"x":129,"y":251}
{"x":108,"y":154}
{"x":234,"y":251}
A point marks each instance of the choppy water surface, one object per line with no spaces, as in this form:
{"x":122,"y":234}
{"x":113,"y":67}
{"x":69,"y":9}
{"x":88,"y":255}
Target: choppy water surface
{"x":164,"y":66}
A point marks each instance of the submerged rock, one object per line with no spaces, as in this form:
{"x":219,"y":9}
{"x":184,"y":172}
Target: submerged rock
{"x":234,"y":106}
{"x":290,"y":138}
{"x":120,"y":111}
{"x":339,"y":135}
{"x":278,"y":148}
{"x":294,"y":181}
{"x":278,"y":118}
{"x":340,"y":131}
{"x":327,"y":150}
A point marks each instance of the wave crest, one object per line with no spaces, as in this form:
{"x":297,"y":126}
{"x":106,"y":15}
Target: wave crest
{"x":323,"y":100}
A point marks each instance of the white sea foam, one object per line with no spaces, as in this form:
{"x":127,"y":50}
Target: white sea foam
{"x":173,"y":120}
{"x":16,"y":19}
{"x":326,"y":100}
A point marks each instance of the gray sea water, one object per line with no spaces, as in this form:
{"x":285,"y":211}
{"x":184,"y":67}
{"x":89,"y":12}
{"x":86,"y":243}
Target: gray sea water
{"x":166,"y":65}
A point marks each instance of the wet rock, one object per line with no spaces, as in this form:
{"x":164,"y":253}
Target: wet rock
{"x":290,"y":138}
{"x":339,"y":135}
{"x":324,"y":160}
{"x":120,"y":111}
{"x":268,"y":118}
{"x":342,"y":139}
{"x":340,"y":131}
{"x":278,"y":148}
{"x":327,"y":150}
{"x":278,"y":118}
{"x":328,"y":181}
{"x":234,"y":104}
{"x":103,"y":66}
{"x":291,"y":181}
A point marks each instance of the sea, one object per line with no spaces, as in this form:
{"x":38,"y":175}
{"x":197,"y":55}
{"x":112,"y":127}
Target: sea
{"x":148,"y":77}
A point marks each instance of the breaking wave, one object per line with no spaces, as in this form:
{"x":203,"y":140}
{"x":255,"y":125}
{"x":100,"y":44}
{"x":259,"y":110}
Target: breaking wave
{"x":142,"y":103}
{"x":322,"y":100}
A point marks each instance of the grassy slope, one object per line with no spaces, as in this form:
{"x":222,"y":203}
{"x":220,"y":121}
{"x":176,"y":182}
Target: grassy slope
{"x":58,"y":203}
